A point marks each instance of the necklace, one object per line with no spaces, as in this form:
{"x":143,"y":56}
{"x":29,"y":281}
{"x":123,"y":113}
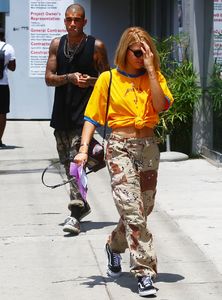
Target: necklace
{"x":70,"y":52}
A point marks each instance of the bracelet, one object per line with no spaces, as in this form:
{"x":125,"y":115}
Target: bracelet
{"x":84,"y":144}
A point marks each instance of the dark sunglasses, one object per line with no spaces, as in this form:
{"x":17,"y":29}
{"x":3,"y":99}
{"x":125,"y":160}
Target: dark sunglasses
{"x":137,"y":53}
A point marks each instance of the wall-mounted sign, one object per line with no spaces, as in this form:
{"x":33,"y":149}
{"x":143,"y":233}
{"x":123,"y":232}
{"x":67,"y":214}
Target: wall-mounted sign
{"x":218,"y":30}
{"x":46,"y":21}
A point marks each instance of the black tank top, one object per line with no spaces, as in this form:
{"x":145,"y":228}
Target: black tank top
{"x":70,"y":101}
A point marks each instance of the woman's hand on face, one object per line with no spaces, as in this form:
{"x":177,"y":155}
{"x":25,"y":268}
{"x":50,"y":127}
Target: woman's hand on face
{"x":147,"y":57}
{"x":81,"y":159}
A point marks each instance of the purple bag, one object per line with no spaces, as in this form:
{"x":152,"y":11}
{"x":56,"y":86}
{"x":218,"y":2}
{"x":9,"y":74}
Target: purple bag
{"x":81,"y":179}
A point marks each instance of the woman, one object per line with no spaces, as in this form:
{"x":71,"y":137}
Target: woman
{"x":138,"y":94}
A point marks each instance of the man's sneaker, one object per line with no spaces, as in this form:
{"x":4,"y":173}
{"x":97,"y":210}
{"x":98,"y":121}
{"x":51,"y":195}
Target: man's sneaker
{"x":114,"y":263}
{"x":71,"y":226}
{"x":145,"y":286}
{"x":84,"y":211}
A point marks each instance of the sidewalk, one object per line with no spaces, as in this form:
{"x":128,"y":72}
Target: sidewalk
{"x":39,"y":261}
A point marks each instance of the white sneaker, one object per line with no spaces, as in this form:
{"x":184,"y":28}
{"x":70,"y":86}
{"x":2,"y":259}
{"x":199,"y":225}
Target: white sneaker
{"x":71,"y":226}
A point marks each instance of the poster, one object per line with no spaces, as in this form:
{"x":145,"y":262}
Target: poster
{"x":46,"y":21}
{"x":218,"y":30}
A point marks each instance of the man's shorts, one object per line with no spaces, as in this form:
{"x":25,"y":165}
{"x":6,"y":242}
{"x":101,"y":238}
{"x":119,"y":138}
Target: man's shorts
{"x":4,"y":99}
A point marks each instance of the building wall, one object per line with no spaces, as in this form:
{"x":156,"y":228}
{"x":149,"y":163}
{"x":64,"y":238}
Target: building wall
{"x":198,"y":16}
{"x":30,"y":98}
{"x":108,"y":20}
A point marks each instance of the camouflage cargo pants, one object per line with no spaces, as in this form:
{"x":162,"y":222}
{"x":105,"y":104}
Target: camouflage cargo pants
{"x":133,"y":165}
{"x":67,"y":143}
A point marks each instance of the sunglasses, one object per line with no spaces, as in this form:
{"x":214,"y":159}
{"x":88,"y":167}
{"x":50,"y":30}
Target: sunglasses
{"x":137,"y":53}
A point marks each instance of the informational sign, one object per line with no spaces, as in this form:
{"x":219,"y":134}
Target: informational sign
{"x":46,"y":21}
{"x":218,"y":30}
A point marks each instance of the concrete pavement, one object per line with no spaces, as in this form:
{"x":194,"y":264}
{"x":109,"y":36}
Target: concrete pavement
{"x":39,"y":261}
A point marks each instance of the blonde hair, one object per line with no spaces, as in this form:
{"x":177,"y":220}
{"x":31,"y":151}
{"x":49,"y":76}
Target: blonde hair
{"x":130,"y":36}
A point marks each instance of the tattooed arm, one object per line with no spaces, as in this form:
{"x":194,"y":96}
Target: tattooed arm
{"x":100,"y":58}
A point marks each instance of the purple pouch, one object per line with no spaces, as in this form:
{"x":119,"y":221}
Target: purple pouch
{"x":81,"y":179}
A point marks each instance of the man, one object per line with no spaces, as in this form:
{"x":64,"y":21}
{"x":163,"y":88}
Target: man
{"x":74,"y":63}
{"x":9,"y":64}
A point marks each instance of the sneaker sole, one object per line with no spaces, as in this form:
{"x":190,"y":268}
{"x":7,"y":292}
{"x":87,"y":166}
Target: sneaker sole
{"x":147,"y":293}
{"x":71,"y":230}
{"x":112,"y":274}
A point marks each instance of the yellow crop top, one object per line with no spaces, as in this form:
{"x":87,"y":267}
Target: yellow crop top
{"x":130,"y":101}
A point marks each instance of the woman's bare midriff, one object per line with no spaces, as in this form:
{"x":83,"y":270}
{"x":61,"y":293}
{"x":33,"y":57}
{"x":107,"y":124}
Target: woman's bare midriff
{"x":132,"y":132}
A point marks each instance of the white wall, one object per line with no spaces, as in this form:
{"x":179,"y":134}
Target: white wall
{"x":30,"y":98}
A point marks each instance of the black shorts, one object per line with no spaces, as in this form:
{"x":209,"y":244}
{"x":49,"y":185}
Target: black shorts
{"x":4,"y":99}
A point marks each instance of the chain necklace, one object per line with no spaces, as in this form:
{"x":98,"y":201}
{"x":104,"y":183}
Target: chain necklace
{"x":70,"y":52}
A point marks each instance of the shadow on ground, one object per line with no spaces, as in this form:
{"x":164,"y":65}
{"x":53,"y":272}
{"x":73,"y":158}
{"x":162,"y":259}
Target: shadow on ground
{"x":89,"y":225}
{"x":126,"y":280}
{"x":10,"y":147}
